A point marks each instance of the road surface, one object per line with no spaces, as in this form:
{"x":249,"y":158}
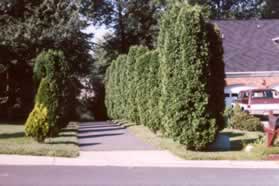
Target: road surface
{"x":121,"y":176}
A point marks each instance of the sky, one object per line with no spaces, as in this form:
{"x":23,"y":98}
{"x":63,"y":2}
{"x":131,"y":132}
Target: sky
{"x":98,"y":32}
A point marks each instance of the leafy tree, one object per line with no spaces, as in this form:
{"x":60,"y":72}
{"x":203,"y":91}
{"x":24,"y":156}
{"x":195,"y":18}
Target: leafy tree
{"x":271,"y":9}
{"x":132,"y":22}
{"x":233,"y":9}
{"x":29,"y":27}
{"x":33,"y":26}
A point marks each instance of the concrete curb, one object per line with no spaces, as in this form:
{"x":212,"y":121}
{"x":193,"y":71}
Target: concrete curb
{"x":132,"y":159}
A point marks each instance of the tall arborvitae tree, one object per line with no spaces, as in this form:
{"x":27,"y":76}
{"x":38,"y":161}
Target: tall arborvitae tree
{"x":179,"y":88}
{"x":122,"y":100}
{"x":141,"y":89}
{"x":108,"y":87}
{"x":167,"y":44}
{"x":134,"y":53}
{"x":184,"y":69}
{"x":216,"y":75}
{"x":153,"y":86}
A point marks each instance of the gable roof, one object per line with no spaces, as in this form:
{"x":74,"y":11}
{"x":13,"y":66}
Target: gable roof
{"x":249,"y":45}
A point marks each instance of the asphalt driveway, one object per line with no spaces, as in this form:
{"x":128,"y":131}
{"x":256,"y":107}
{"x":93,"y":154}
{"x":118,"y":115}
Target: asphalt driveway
{"x":107,"y":136}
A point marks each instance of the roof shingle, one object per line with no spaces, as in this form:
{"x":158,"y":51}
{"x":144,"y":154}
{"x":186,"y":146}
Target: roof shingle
{"x":248,"y":45}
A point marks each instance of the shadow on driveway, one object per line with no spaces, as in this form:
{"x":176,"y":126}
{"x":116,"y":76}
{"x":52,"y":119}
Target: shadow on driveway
{"x":107,"y":136}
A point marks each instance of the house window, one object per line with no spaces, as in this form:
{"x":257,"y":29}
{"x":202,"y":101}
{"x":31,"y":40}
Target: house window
{"x":235,"y":95}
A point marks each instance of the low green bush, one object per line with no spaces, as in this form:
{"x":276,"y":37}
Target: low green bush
{"x":244,"y":121}
{"x":37,"y":125}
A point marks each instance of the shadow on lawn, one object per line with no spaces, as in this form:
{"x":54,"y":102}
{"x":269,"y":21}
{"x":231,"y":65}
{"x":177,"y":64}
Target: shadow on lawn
{"x":67,"y":135}
{"x":239,"y":144}
{"x":68,"y":130}
{"x":233,"y":134}
{"x":62,"y":143}
{"x":12,"y":135}
{"x":12,"y":122}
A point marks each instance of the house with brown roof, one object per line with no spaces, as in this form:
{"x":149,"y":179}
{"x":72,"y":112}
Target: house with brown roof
{"x":251,"y":55}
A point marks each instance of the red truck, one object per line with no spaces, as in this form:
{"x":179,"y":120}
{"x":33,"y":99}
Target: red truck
{"x":258,"y":101}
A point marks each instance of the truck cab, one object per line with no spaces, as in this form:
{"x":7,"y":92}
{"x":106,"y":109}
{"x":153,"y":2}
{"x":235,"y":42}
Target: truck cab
{"x":258,"y":101}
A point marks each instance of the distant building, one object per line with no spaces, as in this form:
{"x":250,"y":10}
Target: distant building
{"x":251,"y":55}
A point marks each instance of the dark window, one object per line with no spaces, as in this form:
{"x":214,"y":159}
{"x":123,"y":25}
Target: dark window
{"x":227,"y":95}
{"x":262,"y":94}
{"x":234,"y":95}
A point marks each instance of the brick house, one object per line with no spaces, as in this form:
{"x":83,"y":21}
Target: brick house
{"x":251,"y":55}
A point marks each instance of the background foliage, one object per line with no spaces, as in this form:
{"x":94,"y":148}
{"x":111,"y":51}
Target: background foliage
{"x":26,"y":29}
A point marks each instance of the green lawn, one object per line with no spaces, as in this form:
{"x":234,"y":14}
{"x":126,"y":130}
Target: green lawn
{"x":13,"y":141}
{"x":239,"y":139}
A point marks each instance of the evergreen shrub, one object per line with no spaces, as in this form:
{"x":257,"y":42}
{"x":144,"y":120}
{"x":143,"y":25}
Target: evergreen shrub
{"x":132,"y":80}
{"x":37,"y":123}
{"x":216,"y":75}
{"x":53,"y":95}
{"x":153,"y":87}
{"x":142,"y":91}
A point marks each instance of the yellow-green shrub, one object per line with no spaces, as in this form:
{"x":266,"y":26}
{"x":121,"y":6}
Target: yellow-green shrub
{"x":36,"y":125}
{"x":243,"y":121}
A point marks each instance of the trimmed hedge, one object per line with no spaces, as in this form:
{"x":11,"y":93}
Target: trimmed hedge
{"x":177,"y":89}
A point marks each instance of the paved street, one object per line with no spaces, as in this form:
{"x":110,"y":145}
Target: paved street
{"x":107,"y":136}
{"x":116,"y":176}
{"x":110,"y":155}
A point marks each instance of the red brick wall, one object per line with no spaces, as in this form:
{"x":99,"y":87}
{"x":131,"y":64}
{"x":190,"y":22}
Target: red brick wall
{"x":260,"y":82}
